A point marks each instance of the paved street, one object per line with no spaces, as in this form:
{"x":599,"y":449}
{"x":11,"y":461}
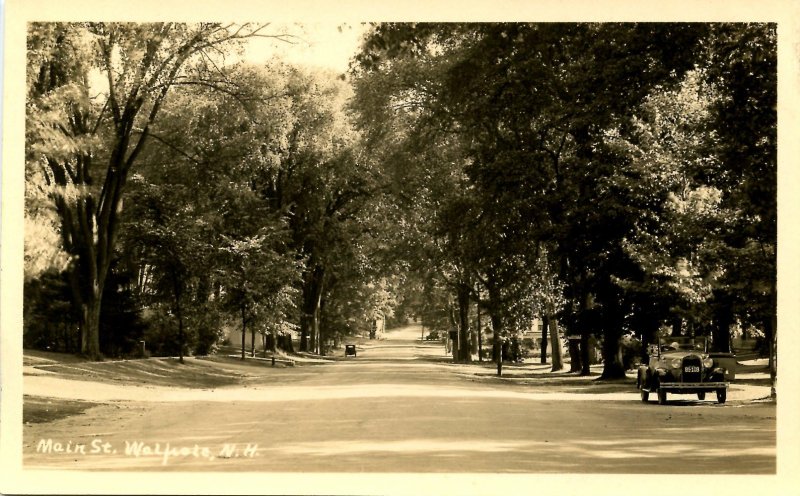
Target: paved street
{"x":400,"y":407}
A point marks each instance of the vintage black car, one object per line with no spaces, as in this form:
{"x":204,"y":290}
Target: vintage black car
{"x":681,"y":365}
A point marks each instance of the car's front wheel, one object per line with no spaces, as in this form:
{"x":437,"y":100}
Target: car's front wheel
{"x":722,"y":395}
{"x":662,"y":396}
{"x":701,"y":395}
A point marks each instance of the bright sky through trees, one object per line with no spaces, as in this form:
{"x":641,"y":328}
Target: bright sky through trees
{"x":324,"y":45}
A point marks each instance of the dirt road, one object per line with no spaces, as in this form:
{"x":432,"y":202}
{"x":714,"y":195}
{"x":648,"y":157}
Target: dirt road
{"x":400,"y":407}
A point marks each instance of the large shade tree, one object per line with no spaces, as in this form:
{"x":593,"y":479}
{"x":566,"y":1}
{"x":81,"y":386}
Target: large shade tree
{"x":94,"y":92}
{"x":705,"y":151}
{"x":321,"y":183}
{"x":196,"y":205}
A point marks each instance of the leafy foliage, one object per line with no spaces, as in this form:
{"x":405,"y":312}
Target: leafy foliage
{"x":70,"y":132}
{"x":607,"y":178}
{"x":551,"y":157}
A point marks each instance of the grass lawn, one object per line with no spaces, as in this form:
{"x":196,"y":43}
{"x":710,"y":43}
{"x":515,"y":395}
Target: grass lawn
{"x":167,"y":372}
{"x":194,"y":373}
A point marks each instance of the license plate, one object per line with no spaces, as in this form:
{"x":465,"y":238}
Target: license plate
{"x":691,"y":368}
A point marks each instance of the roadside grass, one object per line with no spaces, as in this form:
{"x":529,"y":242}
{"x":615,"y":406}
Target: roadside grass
{"x":751,"y":381}
{"x":575,"y":383}
{"x":36,"y":410}
{"x":539,"y":377}
{"x":168,"y":372}
{"x":32,"y":357}
{"x":205,"y":372}
{"x":154,"y":372}
{"x":195,"y":373}
{"x":282,"y":358}
{"x":209,"y":372}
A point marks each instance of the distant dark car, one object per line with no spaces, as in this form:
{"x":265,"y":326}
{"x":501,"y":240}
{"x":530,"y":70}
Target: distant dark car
{"x":432,"y":336}
{"x":349,"y":350}
{"x":681,"y":365}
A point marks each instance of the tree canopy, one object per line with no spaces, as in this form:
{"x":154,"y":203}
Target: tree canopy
{"x":602,"y":146}
{"x":608,"y":179}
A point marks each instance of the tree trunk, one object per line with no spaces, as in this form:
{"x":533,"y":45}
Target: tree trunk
{"x":320,"y":339}
{"x":312,"y":334}
{"x":304,"y":332}
{"x":721,"y":330}
{"x":773,"y":366}
{"x":473,"y":342}
{"x":180,"y":328}
{"x":244,"y":330}
{"x":176,"y":289}
{"x":612,"y":332}
{"x":574,"y":355}
{"x":316,"y":326}
{"x":586,"y":360}
{"x":79,"y":228}
{"x":495,"y":308}
{"x":555,"y":353}
{"x":545,"y":330}
{"x":285,"y":342}
{"x":90,"y":328}
{"x":453,"y":327}
{"x":463,"y":355}
{"x":571,"y":329}
{"x":65,"y":335}
{"x":480,"y":333}
{"x":770,"y":327}
{"x":312,"y":297}
{"x":583,"y":324}
{"x":612,"y":365}
{"x":497,"y":345}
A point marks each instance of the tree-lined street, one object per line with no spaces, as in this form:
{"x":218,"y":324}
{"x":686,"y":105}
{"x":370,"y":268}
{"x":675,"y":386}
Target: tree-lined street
{"x":609,"y":181}
{"x":506,"y":219}
{"x":399,"y":408}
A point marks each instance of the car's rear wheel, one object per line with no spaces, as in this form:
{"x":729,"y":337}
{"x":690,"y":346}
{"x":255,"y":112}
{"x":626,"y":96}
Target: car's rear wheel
{"x":662,"y":396}
{"x":722,"y":395}
{"x":701,"y":395}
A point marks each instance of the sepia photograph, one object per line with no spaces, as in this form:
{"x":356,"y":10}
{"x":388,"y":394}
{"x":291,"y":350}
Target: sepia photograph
{"x":358,"y":251}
